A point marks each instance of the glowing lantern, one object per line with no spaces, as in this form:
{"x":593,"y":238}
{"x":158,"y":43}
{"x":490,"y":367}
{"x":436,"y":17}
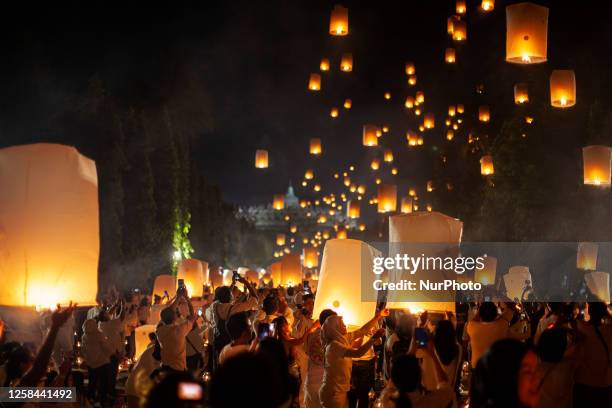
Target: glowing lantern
{"x":529,"y":120}
{"x":385,"y":128}
{"x":291,"y":270}
{"x":293,"y":229}
{"x":515,"y":281}
{"x":599,"y":284}
{"x":387,"y":198}
{"x":409,"y":102}
{"x":353,"y":209}
{"x":361,"y":189}
{"x":192,"y":273}
{"x":449,"y":55}
{"x":375,"y":165}
{"x":412,"y":192}
{"x":420,"y":97}
{"x":460,"y":108}
{"x":309,"y":174}
{"x":450,"y":24}
{"x":314,"y":83}
{"x":315,"y":146}
{"x":49,"y":230}
{"x":394,"y":171}
{"x":338,"y":289}
{"x":388,"y":156}
{"x":486,"y":165}
{"x":586,"y":258}
{"x":387,"y":95}
{"x":483,"y":113}
{"x":596,"y":165}
{"x":412,"y":138}
{"x":526,"y":33}
{"x":521,"y":93}
{"x":412,"y":80}
{"x":338,"y":21}
{"x":278,"y":202}
{"x":486,"y":275}
{"x":429,"y":187}
{"x":346,"y":63}
{"x":251,"y":275}
{"x":487,"y":5}
{"x":317,"y":187}
{"x":451,"y":110}
{"x":460,"y":7}
{"x":420,"y":141}
{"x":450,"y":134}
{"x":275,"y":271}
{"x":459,"y":30}
{"x":341,"y":234}
{"x":164,"y":284}
{"x":406,"y":206}
{"x":280,"y":239}
{"x":324,"y":65}
{"x":410,"y":68}
{"x":429,"y":122}
{"x":141,"y":335}
{"x":562,"y":88}
{"x":310,"y":257}
{"x":334,"y":112}
{"x":348,"y":104}
{"x":369,"y":135}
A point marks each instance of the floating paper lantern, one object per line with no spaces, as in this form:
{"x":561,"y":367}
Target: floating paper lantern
{"x":586,"y":258}
{"x":486,"y":165}
{"x":278,"y":202}
{"x":348,"y":104}
{"x":515,"y":281}
{"x":460,"y":7}
{"x":387,"y":95}
{"x":450,"y":134}
{"x":280,"y":239}
{"x":317,"y":187}
{"x":430,"y":186}
{"x":486,"y":275}
{"x":261,"y":159}
{"x":291,"y":270}
{"x":529,"y":120}
{"x":339,"y":287}
{"x":452,"y":110}
{"x":324,"y":65}
{"x":192,"y":273}
{"x":429,"y":121}
{"x":293,"y":229}
{"x":341,"y":234}
{"x":412,"y":138}
{"x":460,"y":108}
{"x":409,"y":102}
{"x":369,"y":135}
{"x":49,"y":230}
{"x":599,"y":284}
{"x":387,"y":198}
{"x":141,"y":337}
{"x":353,"y":209}
{"x":406,"y":205}
{"x":334,"y":112}
{"x":251,"y":276}
{"x":596,"y":165}
{"x":412,"y":80}
{"x":314,"y":83}
{"x":459,"y":30}
{"x":484,"y":115}
{"x":420,"y":97}
{"x":385,"y":128}
{"x":346,"y":63}
{"x":309,"y":174}
{"x":375,"y":164}
{"x":450,"y":24}
{"x":388,"y":155}
{"x":315,"y":146}
{"x":338,"y":21}
{"x":487,"y":5}
{"x":311,"y":257}
{"x":562,"y":88}
{"x":275,"y":271}
{"x":410,"y":68}
{"x":526,"y":33}
{"x":164,"y":284}
{"x":521,"y":93}
{"x":449,"y":56}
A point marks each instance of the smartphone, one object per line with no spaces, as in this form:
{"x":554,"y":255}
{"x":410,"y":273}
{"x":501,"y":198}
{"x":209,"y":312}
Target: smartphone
{"x":200,"y":311}
{"x":189,"y":391}
{"x":235,"y":275}
{"x":181,"y":283}
{"x":420,"y":336}
{"x":306,"y":287}
{"x":263,"y":331}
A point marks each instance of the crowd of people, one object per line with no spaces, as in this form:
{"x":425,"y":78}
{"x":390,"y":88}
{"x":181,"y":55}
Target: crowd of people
{"x":262,"y":347}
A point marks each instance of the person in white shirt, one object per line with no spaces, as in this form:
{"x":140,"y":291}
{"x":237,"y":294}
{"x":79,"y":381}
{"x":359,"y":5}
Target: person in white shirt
{"x":302,"y":323}
{"x":316,"y":360}
{"x":139,"y":380}
{"x":556,"y":369}
{"x":484,"y":330}
{"x":240,"y":332}
{"x":111,"y":323}
{"x":97,"y":349}
{"x":171,"y":334}
{"x":195,"y":347}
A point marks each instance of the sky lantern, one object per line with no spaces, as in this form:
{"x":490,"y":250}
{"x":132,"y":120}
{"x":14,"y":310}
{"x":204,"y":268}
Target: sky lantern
{"x":459,"y":31}
{"x":309,"y":174}
{"x":278,"y":202}
{"x":192,"y":273}
{"x":449,"y":55}
{"x":387,"y":95}
{"x":420,"y":97}
{"x":387,"y":198}
{"x":385,"y":128}
{"x":334,"y":112}
{"x":412,"y":80}
{"x":291,"y":270}
{"x":348,"y":104}
{"x":487,"y":5}
{"x":460,"y":108}
{"x":429,"y":121}
{"x":562,"y":88}
{"x":596,"y":165}
{"x":49,"y":226}
{"x":310,"y":257}
{"x":410,"y":70}
{"x":450,"y":24}
{"x":450,"y":134}
{"x":315,"y":146}
{"x":314,"y":83}
{"x":261,"y":159}
{"x":369,"y":135}
{"x":388,"y":155}
{"x":526,"y":33}
{"x":394,"y":171}
{"x":163,"y":284}
{"x":515,"y":281}
{"x":341,"y":233}
{"x":486,"y":165}
{"x":375,"y":164}
{"x":409,"y":102}
{"x":429,"y":186}
{"x":324,"y":65}
{"x":599,"y":284}
{"x":406,"y":205}
{"x":338,"y":21}
{"x":280,"y":239}
{"x":417,"y":112}
{"x":339,"y":289}
{"x":346,"y":63}
{"x":484,"y":115}
{"x":293,"y":229}
{"x":486,"y":275}
{"x":412,"y":138}
{"x":275,"y":272}
{"x":586,"y":257}
{"x":317,"y":187}
{"x":460,"y":7}
{"x":452,"y":110}
{"x":521,"y":93}
{"x":353,"y":209}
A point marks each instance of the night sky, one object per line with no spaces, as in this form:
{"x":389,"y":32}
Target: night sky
{"x":255,"y":58}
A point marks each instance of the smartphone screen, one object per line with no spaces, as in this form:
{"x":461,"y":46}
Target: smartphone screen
{"x":420,"y":336}
{"x":200,"y":311}
{"x":189,"y":391}
{"x":181,"y":283}
{"x":263,"y":331}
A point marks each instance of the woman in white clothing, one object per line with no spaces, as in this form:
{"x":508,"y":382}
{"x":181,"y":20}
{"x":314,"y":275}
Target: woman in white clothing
{"x":338,"y":358}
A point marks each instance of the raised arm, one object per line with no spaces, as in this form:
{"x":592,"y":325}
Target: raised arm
{"x":366,"y":328}
{"x":358,"y":352}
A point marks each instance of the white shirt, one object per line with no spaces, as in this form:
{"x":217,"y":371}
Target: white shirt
{"x":96,"y":349}
{"x":113,"y":330}
{"x":230,"y":351}
{"x":173,"y":345}
{"x":483,"y":335}
{"x":139,"y":381}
